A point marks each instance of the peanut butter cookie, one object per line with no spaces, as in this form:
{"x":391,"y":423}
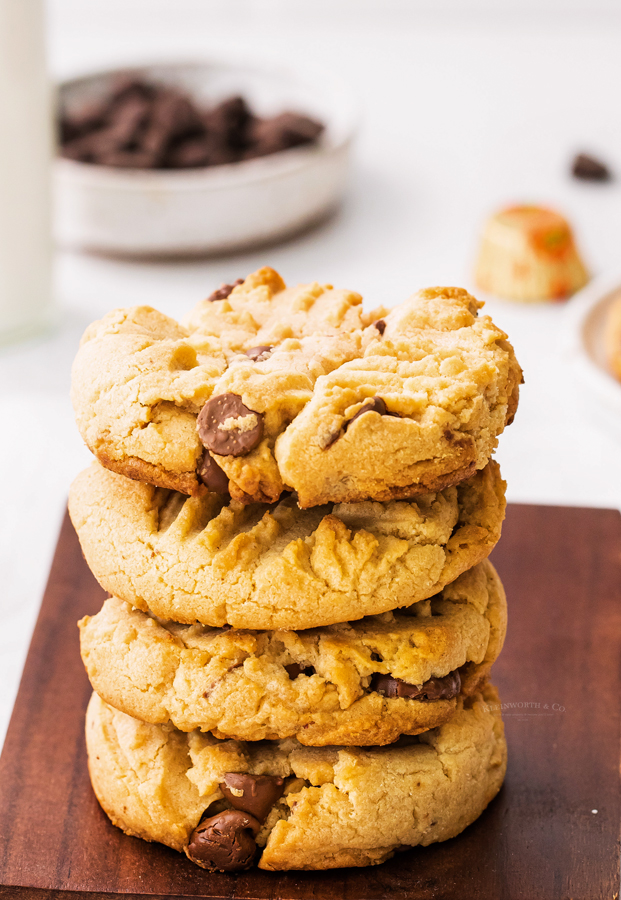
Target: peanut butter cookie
{"x":364,"y":682}
{"x":219,"y":562}
{"x":267,"y":388}
{"x":229,"y":804}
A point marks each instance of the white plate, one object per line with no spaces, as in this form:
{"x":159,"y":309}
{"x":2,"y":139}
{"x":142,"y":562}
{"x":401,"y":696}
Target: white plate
{"x":219,"y":208}
{"x":583,"y":348}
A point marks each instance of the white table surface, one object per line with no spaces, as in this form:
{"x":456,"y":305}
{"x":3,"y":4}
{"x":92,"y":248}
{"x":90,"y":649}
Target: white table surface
{"x":465,"y":107}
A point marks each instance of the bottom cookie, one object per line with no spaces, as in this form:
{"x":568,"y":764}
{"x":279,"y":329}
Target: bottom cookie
{"x":280,"y":805}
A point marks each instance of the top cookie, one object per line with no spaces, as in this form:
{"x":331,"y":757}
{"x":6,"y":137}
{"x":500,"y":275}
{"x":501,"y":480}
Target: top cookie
{"x":267,"y":388}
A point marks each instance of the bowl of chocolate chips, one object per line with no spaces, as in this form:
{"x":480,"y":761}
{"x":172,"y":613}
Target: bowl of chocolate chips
{"x":197,"y":158}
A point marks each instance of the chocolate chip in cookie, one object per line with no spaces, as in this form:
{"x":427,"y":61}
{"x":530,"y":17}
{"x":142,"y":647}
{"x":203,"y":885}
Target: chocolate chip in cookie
{"x":434,"y":689}
{"x":212,"y":475}
{"x":253,"y":794}
{"x":258,"y":354}
{"x":224,"y":290}
{"x":229,"y":428}
{"x":380,"y":325}
{"x":295,"y":669}
{"x":373,"y":404}
{"x":225,"y":842}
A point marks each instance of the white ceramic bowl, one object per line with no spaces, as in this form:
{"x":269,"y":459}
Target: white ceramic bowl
{"x":215,"y":209}
{"x":584,"y":351}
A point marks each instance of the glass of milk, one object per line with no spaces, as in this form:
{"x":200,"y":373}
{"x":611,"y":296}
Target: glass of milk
{"x":25,"y":158}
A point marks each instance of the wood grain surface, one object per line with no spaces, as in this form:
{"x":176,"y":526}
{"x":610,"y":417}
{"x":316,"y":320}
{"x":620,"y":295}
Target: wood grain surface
{"x":553,"y":831}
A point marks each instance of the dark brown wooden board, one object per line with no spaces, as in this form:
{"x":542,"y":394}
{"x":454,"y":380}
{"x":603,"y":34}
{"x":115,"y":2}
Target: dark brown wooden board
{"x":560,"y":682}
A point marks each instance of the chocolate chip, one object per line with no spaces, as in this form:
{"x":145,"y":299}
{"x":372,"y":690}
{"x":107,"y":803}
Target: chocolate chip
{"x":590,"y":169}
{"x":225,"y":842}
{"x":282,"y":132}
{"x":187,"y":154}
{"x":295,"y":669}
{"x":223,"y":291}
{"x":258,"y":792}
{"x":435,"y":689}
{"x":331,"y":439}
{"x":150,"y":125}
{"x":127,"y":159}
{"x":125,"y":84}
{"x":258,"y":353}
{"x":229,"y":122}
{"x":380,"y":325}
{"x":229,"y":428}
{"x":85,"y":119}
{"x":376,"y":404}
{"x":406,"y":740}
{"x":212,"y":475}
{"x":172,"y":117}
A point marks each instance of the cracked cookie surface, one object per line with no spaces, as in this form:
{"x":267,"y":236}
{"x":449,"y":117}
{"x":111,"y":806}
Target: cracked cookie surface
{"x":156,"y":783}
{"x":308,"y":367}
{"x":218,"y":562}
{"x":318,"y":685}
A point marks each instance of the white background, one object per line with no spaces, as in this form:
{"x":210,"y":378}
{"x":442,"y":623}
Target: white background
{"x":464,"y":107}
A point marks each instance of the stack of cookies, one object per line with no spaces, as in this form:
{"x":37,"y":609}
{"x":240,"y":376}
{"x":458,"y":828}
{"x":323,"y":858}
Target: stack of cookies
{"x":292,"y":508}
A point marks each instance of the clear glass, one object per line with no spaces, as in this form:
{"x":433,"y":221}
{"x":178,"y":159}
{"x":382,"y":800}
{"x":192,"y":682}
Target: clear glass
{"x":25,"y":160}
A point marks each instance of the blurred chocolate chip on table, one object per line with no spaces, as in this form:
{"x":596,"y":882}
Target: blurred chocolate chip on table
{"x":139,"y":124}
{"x":588,"y":168}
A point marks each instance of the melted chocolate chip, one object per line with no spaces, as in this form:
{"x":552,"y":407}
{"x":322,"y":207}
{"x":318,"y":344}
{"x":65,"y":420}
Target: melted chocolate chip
{"x":223,"y":291}
{"x":380,"y":325}
{"x":375,"y":404}
{"x":259,"y":353}
{"x":332,"y":438}
{"x":225,"y":842}
{"x":259,"y":792}
{"x":227,"y":427}
{"x":406,"y":740}
{"x":435,"y":689}
{"x":212,"y":475}
{"x":295,"y":669}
